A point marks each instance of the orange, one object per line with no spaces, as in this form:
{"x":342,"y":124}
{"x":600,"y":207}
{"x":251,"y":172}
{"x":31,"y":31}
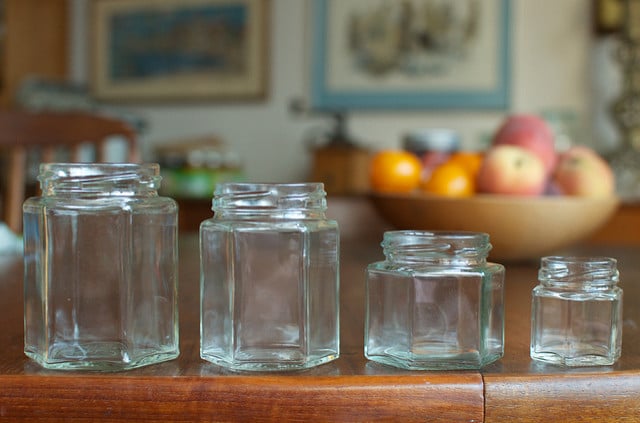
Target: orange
{"x":394,"y":171}
{"x":469,"y":160}
{"x":451,"y":180}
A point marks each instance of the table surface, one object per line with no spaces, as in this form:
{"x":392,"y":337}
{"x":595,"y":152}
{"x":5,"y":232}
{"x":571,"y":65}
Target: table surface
{"x":348,"y":389}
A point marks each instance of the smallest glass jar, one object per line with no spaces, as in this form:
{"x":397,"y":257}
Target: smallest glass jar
{"x":434,"y":302}
{"x":576,"y":315}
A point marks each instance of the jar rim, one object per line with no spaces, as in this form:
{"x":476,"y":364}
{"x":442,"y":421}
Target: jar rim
{"x":419,"y":244}
{"x":81,"y":169}
{"x":573,"y":271}
{"x":240,"y":187}
{"x":589,"y":260}
{"x":102,"y":179}
{"x":436,"y":234}
{"x":261,"y":197}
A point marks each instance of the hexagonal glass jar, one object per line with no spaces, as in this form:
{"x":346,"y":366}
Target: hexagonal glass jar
{"x":101,"y":268}
{"x":434,"y":303}
{"x":269,"y":278}
{"x":576,"y":313}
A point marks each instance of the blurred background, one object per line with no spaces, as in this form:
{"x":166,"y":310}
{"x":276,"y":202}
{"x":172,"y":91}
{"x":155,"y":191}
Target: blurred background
{"x":560,"y":63}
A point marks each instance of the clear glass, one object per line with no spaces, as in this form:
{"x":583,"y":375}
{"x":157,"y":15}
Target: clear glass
{"x":434,"y":302}
{"x":576,"y":317}
{"x":269,"y":278}
{"x":100,"y":254}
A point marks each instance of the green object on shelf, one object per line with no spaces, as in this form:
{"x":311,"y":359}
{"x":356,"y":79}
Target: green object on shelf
{"x":196,"y":182}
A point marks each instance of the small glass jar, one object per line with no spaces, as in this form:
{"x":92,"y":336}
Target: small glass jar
{"x":576,"y":315}
{"x":100,"y":255}
{"x":269,"y":278}
{"x":435,"y":302}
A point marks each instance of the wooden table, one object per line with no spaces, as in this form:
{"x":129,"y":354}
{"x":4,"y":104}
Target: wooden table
{"x":348,"y":389}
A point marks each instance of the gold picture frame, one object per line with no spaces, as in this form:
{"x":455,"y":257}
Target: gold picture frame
{"x":180,"y":49}
{"x":607,"y":16}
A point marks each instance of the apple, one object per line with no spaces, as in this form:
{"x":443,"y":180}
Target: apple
{"x":530,"y":132}
{"x":510,"y":169}
{"x":582,"y":172}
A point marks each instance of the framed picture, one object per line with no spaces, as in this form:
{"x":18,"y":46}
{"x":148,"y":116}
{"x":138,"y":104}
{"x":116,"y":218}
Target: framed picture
{"x":391,"y":54}
{"x":179,"y":49}
{"x":608,"y":16}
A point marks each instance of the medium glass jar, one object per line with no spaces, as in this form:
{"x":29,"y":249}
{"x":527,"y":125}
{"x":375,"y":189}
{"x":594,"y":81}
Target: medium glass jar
{"x":434,"y":302}
{"x":269,"y":278}
{"x":100,"y":254}
{"x":576,"y":317}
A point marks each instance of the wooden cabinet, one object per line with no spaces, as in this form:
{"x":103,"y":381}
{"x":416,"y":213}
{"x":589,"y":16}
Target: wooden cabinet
{"x":35,"y":39}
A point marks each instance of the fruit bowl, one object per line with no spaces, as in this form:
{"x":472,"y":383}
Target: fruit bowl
{"x":519,"y":227}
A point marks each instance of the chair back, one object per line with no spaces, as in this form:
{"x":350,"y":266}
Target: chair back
{"x":47,"y":134}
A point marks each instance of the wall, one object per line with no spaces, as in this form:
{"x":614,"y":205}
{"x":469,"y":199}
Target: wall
{"x":551,"y":44}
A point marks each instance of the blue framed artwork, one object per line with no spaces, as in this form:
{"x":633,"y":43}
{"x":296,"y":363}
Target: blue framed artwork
{"x":389,"y":54}
{"x":179,"y":49}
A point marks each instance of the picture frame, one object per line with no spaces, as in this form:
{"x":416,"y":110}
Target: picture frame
{"x":608,"y":16}
{"x":164,"y":50}
{"x":351,"y":71}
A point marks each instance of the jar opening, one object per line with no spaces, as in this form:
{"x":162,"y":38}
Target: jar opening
{"x":99,"y":178}
{"x":409,"y":245}
{"x":238,"y":197}
{"x":576,"y":271}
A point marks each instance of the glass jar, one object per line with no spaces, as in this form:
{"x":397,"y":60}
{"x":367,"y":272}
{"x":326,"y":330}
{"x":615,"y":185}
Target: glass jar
{"x":435,"y":302}
{"x":576,"y":317}
{"x":269,"y":278}
{"x":100,"y":254}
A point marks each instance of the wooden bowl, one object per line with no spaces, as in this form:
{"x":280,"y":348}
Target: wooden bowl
{"x":519,"y":227}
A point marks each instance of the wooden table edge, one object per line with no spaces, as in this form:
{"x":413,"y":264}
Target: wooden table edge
{"x":434,"y":397}
{"x":611,"y":397}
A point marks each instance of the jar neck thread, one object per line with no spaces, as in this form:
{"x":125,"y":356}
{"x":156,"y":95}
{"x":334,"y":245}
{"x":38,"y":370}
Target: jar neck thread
{"x":287,"y":201}
{"x":436,"y":248}
{"x":99,"y":180}
{"x":577,"y":273}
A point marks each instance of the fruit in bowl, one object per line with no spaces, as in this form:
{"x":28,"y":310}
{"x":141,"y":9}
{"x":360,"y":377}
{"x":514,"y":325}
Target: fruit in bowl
{"x":509,"y":169}
{"x":531,"y":199}
{"x":531,"y":133}
{"x":451,"y":180}
{"x":394,"y":171}
{"x":521,"y":161}
{"x":581,"y":171}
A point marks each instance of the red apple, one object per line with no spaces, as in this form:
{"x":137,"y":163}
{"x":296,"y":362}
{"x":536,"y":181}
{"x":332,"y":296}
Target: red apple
{"x":581,"y":171}
{"x":510,"y":169}
{"x":532,"y":133}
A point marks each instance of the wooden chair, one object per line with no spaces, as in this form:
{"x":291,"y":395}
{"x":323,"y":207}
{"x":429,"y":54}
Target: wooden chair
{"x":48,"y":133}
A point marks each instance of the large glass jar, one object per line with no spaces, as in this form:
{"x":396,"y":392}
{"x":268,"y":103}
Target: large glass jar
{"x":576,"y":317}
{"x":434,"y":302}
{"x":100,"y":254}
{"x":269,"y":278}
